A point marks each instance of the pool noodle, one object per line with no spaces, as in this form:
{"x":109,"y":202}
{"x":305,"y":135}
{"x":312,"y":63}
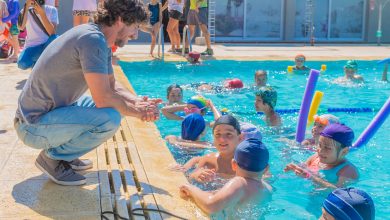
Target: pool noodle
{"x":374,"y":125}
{"x":387,"y":60}
{"x":306,"y":101}
{"x":314,"y":106}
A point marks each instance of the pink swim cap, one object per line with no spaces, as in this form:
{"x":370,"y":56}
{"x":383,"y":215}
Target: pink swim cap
{"x":234,"y":83}
{"x":194,"y":55}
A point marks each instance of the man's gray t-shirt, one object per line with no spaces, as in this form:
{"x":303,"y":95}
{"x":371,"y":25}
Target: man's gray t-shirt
{"x":57,"y":79}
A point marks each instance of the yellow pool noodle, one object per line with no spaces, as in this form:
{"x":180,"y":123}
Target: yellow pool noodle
{"x":315,"y":103}
{"x":290,"y":69}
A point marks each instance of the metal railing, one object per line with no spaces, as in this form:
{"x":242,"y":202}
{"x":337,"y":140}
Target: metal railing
{"x":186,"y":36}
{"x":161,"y":42}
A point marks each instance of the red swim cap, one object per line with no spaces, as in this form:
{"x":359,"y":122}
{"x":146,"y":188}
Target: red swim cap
{"x":194,"y":55}
{"x":234,"y":84}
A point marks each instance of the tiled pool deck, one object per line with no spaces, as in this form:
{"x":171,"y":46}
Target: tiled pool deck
{"x":130,"y":170}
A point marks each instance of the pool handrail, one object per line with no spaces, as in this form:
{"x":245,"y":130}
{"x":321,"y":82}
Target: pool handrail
{"x":186,"y":36}
{"x":161,"y":41}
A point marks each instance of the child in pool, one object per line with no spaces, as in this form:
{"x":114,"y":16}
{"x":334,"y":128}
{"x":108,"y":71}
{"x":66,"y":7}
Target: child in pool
{"x":320,"y":122}
{"x":227,"y":135}
{"x":174,"y":95}
{"x":193,"y":58}
{"x":261,"y":78}
{"x":228,"y":84}
{"x":195,"y":104}
{"x":249,"y":163}
{"x":350,"y":70}
{"x":248,"y":130}
{"x":155,"y":9}
{"x":266,"y":98}
{"x":193,"y":128}
{"x":348,"y":204}
{"x":300,"y":60}
{"x":328,"y":167}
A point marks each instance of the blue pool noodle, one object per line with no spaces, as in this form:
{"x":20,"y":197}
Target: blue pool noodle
{"x":305,"y":106}
{"x":387,"y":60}
{"x":374,"y":125}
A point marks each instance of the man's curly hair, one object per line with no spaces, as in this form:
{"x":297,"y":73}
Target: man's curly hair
{"x":131,"y":11}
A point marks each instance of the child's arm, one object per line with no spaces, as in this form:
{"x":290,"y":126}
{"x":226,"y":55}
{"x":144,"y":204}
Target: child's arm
{"x":190,"y":144}
{"x":230,"y":194}
{"x":215,"y":111}
{"x":183,"y":168}
{"x":49,"y":26}
{"x":384,"y":74}
{"x":22,"y":25}
{"x":165,"y":6}
{"x":169,"y":111}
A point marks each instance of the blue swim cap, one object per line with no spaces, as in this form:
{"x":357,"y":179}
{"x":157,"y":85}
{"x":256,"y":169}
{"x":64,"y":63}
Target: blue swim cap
{"x":228,"y":120}
{"x":250,"y":131}
{"x":192,"y":126}
{"x":251,"y":155}
{"x":340,"y":133}
{"x":350,"y":204}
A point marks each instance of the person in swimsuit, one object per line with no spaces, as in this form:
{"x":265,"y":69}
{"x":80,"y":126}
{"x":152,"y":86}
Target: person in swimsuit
{"x":320,"y":122}
{"x":261,"y":78}
{"x":155,"y":20}
{"x":328,"y":167}
{"x":174,"y":95}
{"x":350,"y":70}
{"x":347,"y":204}
{"x":300,"y":60}
{"x":249,"y":162}
{"x":266,"y":98}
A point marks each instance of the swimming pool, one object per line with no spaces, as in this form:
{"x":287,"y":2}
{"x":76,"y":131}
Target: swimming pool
{"x":294,"y":198}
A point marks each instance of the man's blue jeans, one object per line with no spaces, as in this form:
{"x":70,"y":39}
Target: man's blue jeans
{"x":69,"y":132}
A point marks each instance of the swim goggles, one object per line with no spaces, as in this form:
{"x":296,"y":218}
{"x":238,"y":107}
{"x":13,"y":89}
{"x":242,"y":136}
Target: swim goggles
{"x":300,"y":59}
{"x":193,"y":110}
{"x":321,"y":120}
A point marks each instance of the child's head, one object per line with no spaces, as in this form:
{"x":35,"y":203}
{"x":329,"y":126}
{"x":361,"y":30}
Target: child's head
{"x":226,"y":133}
{"x":233,"y":84}
{"x":249,"y":130}
{"x":334,"y":143}
{"x":196,"y":104}
{"x":193,"y":57}
{"x":251,"y":156}
{"x":320,"y":122}
{"x":347,"y":204}
{"x":350,"y":68}
{"x":174,"y":94}
{"x":266,"y":98}
{"x":192,"y":127}
{"x":300,"y":60}
{"x":261,"y":78}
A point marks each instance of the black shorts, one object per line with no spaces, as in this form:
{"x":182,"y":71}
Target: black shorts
{"x":175,"y":14}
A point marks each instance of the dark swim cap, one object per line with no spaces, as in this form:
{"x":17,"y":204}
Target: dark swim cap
{"x":252,"y":155}
{"x":340,"y":133}
{"x":228,"y":120}
{"x":350,"y":204}
{"x":192,"y":126}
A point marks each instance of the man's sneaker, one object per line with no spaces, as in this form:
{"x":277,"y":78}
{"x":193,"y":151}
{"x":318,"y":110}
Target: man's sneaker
{"x":208,"y":52}
{"x":59,"y":171}
{"x":78,"y":164}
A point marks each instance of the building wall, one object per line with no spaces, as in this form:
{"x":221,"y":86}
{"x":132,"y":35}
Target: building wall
{"x":287,"y":30}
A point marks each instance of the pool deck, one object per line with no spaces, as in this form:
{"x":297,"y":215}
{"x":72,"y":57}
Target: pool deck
{"x":130,"y":170}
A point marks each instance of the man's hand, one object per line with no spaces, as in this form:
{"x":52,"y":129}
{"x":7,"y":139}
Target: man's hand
{"x":147,"y":109}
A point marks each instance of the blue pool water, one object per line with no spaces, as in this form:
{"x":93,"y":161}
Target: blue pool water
{"x":294,"y":198}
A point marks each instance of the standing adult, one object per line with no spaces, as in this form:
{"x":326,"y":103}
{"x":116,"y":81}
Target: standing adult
{"x":83,"y":10}
{"x":198,"y":16}
{"x":13,"y":13}
{"x":40,"y":21}
{"x":175,"y":10}
{"x":53,"y":115}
